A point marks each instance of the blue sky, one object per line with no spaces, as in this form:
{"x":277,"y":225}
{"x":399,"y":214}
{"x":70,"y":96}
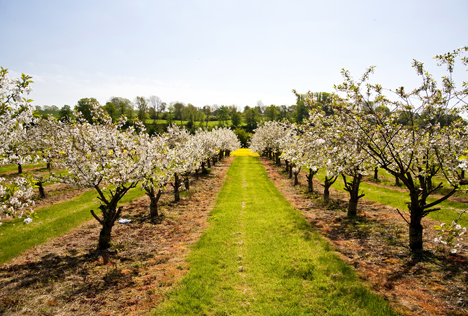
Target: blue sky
{"x":220,"y":52}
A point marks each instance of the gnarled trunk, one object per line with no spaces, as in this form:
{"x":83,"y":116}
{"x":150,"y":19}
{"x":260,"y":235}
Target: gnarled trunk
{"x":310,"y":180}
{"x":154,"y":198}
{"x":352,"y":187}
{"x":376,"y":173}
{"x":296,"y":180}
{"x":105,"y":236}
{"x":110,"y":214}
{"x":20,"y":169}
{"x":326,"y":187}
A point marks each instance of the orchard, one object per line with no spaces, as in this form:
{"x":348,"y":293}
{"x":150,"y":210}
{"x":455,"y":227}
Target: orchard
{"x":255,"y":236}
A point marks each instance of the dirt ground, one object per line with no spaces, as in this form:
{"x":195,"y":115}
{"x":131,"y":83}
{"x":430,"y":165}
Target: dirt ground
{"x":375,"y":243}
{"x":66,"y":276}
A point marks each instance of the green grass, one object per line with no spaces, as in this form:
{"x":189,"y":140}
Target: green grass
{"x":449,"y":210}
{"x":9,"y":168}
{"x":15,"y":236}
{"x":37,"y":172}
{"x":287,"y":268}
{"x":387,"y":179}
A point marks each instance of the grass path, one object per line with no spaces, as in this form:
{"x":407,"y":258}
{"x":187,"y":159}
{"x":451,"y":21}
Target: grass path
{"x":260,"y":257}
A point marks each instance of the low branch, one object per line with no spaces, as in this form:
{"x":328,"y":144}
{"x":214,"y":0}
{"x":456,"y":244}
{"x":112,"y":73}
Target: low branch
{"x":117,"y":214}
{"x":441,"y":199}
{"x":402,"y":216}
{"x":435,"y":189}
{"x":101,"y":195}
{"x":426,"y":212}
{"x":97,"y":218}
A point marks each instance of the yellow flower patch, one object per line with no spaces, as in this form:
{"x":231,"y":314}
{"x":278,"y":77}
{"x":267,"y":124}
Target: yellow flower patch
{"x":243,"y":152}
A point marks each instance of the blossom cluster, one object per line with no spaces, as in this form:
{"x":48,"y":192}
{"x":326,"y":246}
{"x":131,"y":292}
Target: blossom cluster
{"x":15,"y":117}
{"x":449,"y":235}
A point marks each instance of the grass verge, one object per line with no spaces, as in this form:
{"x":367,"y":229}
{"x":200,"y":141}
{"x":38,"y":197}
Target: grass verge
{"x":15,"y":236}
{"x":260,"y":257}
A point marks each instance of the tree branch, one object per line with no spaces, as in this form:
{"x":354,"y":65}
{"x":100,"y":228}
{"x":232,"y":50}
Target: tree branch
{"x":441,"y":199}
{"x":402,"y":216}
{"x":97,"y":218}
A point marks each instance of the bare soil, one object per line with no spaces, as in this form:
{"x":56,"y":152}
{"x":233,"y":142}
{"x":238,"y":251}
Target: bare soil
{"x":432,"y":283}
{"x":67,"y":276}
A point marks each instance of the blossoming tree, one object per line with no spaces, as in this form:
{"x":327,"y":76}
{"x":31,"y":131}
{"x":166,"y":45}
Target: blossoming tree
{"x":105,"y":158}
{"x":411,"y":146}
{"x":15,"y":115}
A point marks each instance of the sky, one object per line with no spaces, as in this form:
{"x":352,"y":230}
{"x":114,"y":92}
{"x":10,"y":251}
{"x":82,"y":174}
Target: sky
{"x":221,"y":52}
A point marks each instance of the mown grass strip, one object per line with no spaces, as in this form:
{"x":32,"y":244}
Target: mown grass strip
{"x":260,"y":257}
{"x":9,"y":168}
{"x":394,"y":198}
{"x":15,"y":236}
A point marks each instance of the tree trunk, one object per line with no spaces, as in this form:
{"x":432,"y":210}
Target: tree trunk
{"x":41,"y":189}
{"x":49,"y":165}
{"x":352,"y":187}
{"x":176,"y":188}
{"x":214,"y":160}
{"x":326,"y":193}
{"x":154,"y":203}
{"x":397,"y":181}
{"x":105,"y":236}
{"x":278,"y":160}
{"x":376,"y":173}
{"x":326,"y":187}
{"x":290,"y":171}
{"x":208,"y":162}
{"x":187,"y":181}
{"x":415,"y":234}
{"x":310,"y":180}
{"x":20,"y":169}
{"x":286,"y":163}
{"x":296,"y":180}
{"x":352,"y":208}
{"x":110,"y":215}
